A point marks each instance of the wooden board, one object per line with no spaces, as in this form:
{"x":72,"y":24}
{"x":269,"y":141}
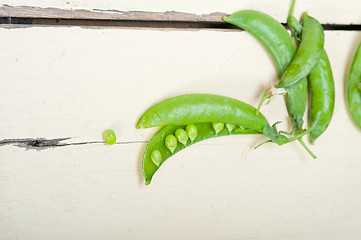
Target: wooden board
{"x":327,"y":12}
{"x":77,"y":82}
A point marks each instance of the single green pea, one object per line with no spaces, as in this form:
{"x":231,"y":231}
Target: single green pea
{"x":156,"y":157}
{"x":217,"y":127}
{"x":181,"y":136}
{"x":109,"y":137}
{"x":192,"y":131}
{"x":171,"y":142}
{"x":230,"y":127}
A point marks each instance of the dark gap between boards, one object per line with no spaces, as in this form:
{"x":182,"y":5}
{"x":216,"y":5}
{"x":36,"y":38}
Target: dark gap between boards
{"x":144,"y":24}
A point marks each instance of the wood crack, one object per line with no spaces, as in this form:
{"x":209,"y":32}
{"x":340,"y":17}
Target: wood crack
{"x":42,"y":143}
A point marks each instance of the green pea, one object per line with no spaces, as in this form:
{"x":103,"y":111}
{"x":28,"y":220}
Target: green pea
{"x":156,"y":157}
{"x":192,"y":131}
{"x":181,"y":136}
{"x":171,"y":142}
{"x":217,"y":127}
{"x":109,"y":137}
{"x":230,"y":127}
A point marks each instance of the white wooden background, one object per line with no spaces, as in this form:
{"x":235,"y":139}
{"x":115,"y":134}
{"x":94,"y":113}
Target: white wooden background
{"x":73,"y":82}
{"x":327,"y":11}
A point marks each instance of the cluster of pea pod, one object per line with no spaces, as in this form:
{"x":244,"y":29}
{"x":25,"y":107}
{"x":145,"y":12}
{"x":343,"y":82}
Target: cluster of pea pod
{"x":303,"y":65}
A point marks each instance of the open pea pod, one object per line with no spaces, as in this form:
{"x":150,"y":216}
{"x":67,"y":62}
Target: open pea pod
{"x":209,"y":116}
{"x":157,"y":151}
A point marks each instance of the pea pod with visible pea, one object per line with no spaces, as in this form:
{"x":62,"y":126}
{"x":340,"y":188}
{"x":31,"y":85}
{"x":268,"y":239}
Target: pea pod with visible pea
{"x":203,"y":116}
{"x":157,"y":152}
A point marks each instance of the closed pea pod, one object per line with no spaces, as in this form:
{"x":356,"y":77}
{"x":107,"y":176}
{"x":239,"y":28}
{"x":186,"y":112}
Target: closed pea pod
{"x":353,"y":88}
{"x":198,"y":108}
{"x":321,"y":86}
{"x":272,"y":34}
{"x":308,"y":53}
{"x":322,"y":97}
{"x":282,"y":48}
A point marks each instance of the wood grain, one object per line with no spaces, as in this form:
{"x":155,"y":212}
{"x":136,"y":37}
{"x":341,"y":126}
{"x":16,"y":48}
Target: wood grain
{"x":72,"y":82}
{"x":327,"y":12}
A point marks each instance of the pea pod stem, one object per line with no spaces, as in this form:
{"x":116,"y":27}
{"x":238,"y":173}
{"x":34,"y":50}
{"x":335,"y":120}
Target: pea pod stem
{"x":306,"y":147}
{"x":296,"y":28}
{"x":297,"y":137}
{"x":264,"y":98}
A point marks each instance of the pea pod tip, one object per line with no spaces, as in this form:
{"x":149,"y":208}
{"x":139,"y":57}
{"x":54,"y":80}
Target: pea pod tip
{"x":139,"y":125}
{"x":225,"y":18}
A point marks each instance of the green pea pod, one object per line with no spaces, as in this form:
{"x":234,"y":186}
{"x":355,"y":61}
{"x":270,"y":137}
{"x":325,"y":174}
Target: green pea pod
{"x":196,"y":108}
{"x":157,"y":143}
{"x":354,"y":89}
{"x":199,"y":108}
{"x":274,"y":36}
{"x":308,"y":53}
{"x":322,"y":97}
{"x":321,"y":85}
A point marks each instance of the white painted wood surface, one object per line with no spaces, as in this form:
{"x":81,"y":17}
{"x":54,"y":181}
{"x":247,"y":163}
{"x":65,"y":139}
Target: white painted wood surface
{"x":77,"y":82}
{"x":326,"y":11}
